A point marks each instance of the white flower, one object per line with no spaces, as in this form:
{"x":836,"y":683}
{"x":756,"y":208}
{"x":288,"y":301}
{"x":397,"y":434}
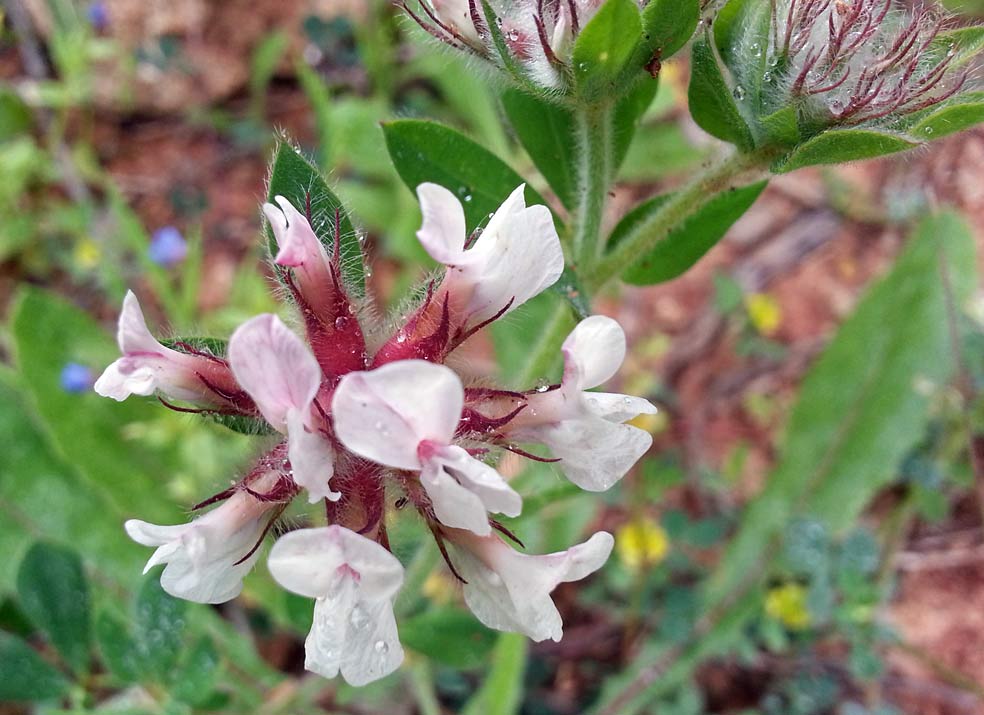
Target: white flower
{"x":281,"y":375}
{"x":584,"y":429}
{"x":148,"y":367}
{"x":510,"y":591}
{"x":354,"y":581}
{"x":202,"y":555}
{"x":516,"y":257}
{"x":404,"y":415}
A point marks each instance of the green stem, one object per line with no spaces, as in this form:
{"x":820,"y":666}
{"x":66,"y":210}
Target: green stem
{"x":594,"y":139}
{"x":734,"y":170}
{"x":547,"y":349}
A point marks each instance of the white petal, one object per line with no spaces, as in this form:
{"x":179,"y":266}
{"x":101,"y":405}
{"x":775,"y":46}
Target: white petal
{"x":483,"y":480}
{"x":118,"y":385}
{"x":618,"y":408}
{"x":385,"y":414}
{"x":299,"y":246}
{"x":275,"y":367}
{"x":353,"y":635}
{"x":593,"y":352}
{"x":594,"y":453}
{"x":510,"y":591}
{"x":307,"y":562}
{"x":454,"y":505}
{"x":515,"y":259}
{"x":201,"y":556}
{"x":514,"y":204}
{"x":443,"y":231}
{"x":312,"y":459}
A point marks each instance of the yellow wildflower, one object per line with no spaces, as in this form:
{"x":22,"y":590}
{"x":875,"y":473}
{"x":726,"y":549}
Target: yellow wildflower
{"x":641,"y":542}
{"x":764,"y":311}
{"x":787,"y":604}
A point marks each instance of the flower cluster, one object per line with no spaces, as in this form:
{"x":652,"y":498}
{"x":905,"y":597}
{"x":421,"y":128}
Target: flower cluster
{"x":862,"y":59}
{"x":367,"y":414}
{"x":538,"y":34}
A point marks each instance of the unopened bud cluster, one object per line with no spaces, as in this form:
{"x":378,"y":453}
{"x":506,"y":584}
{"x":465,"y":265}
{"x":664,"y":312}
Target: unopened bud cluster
{"x":368,"y":416}
{"x":539,"y":34}
{"x":859,"y":60}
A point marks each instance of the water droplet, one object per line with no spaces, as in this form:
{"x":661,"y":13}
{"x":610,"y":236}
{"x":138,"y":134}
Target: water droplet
{"x":739,"y":93}
{"x":756,"y":49}
{"x":381,"y":646}
{"x":767,"y":77}
{"x":467,"y":198}
{"x":340,"y":322}
{"x":512,"y":35}
{"x":836,"y":106}
{"x":401,"y":338}
{"x":542,"y":385}
{"x":359,"y":618}
{"x":928,"y":130}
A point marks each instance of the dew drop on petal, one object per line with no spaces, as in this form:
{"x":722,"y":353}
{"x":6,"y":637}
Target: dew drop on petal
{"x":340,"y":322}
{"x":381,"y":647}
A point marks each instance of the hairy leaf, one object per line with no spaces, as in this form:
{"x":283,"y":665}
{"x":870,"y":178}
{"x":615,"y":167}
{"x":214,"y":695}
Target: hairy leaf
{"x":604,"y":47}
{"x":836,"y":146}
{"x":712,"y":102}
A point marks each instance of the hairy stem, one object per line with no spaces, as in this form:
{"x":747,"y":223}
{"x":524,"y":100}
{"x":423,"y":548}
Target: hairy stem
{"x":735,"y":170}
{"x":595,"y":161}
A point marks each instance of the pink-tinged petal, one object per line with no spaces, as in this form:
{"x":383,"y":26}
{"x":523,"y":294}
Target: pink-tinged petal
{"x":457,"y":14}
{"x":481,"y":479}
{"x":354,"y":636}
{"x":385,"y":414}
{"x":132,"y":333}
{"x":275,"y":367}
{"x":299,"y":246}
{"x":454,"y":505}
{"x":309,"y":562}
{"x":510,"y":591}
{"x":443,"y":231}
{"x":593,"y":352}
{"x":613,"y":407}
{"x":594,"y":453}
{"x":312,"y":459}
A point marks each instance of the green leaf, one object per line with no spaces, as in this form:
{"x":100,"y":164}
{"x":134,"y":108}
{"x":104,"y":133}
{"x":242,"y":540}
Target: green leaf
{"x":628,"y":112}
{"x":194,"y":679}
{"x":782,"y":126}
{"x":117,"y":648}
{"x":54,"y":594}
{"x":159,"y":629}
{"x":712,"y":103}
{"x":502,"y":691}
{"x":667,"y":25}
{"x":952,"y":118}
{"x":546,"y":131}
{"x":300,"y":182}
{"x":963,"y":45}
{"x":687,"y":243}
{"x":15,"y":115}
{"x":604,"y":47}
{"x":450,"y":636}
{"x":859,"y":412}
{"x":87,"y":429}
{"x":427,"y":151}
{"x":836,"y":146}
{"x":26,"y":677}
